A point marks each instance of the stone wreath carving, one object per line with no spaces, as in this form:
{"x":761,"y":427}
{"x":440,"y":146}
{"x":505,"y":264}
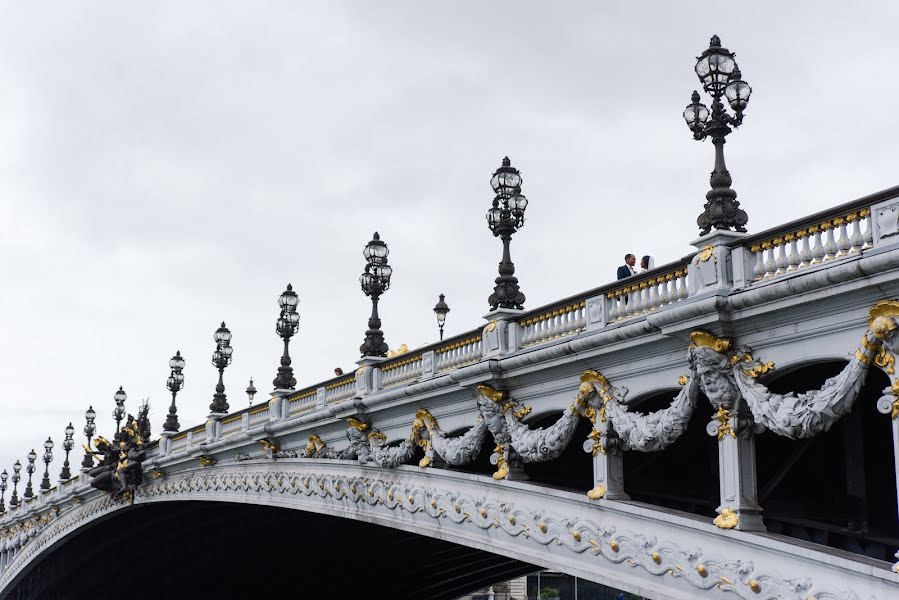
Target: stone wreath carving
{"x":359,"y":448}
{"x":728,"y":378}
{"x":454,"y":451}
{"x":627,"y":430}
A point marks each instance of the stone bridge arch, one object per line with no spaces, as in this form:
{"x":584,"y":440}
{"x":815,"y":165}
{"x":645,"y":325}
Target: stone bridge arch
{"x":496,"y":528}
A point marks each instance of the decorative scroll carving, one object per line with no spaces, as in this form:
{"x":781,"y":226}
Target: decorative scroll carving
{"x":454,"y":451}
{"x":607,"y":543}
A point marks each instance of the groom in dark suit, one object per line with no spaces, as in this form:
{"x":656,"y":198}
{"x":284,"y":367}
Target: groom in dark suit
{"x":627,"y":269}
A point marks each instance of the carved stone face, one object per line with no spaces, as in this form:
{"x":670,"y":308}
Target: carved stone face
{"x":713,"y":374}
{"x":493,"y":415}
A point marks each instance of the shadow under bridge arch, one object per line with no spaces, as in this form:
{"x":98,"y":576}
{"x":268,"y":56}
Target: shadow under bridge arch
{"x":229,"y":550}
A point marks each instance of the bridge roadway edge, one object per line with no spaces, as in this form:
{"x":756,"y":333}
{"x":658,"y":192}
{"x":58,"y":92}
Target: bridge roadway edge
{"x":625,"y":544}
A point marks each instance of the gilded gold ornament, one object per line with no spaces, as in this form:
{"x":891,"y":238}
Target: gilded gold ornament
{"x":704,"y":339}
{"x":726,"y":519}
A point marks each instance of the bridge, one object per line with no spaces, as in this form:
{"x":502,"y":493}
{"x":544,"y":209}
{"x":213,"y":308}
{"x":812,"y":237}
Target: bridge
{"x":723,"y":425}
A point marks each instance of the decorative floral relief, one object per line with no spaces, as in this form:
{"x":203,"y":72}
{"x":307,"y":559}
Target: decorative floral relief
{"x":604,"y":541}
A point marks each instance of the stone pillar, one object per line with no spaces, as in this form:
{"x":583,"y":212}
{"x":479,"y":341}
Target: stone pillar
{"x":608,"y":466}
{"x":711,"y":269}
{"x":428,"y":364}
{"x":165,"y":442}
{"x":278,"y":406}
{"x":889,"y":405}
{"x":320,"y":397}
{"x":597,"y":315}
{"x":502,"y":334}
{"x":739,"y":507}
{"x":368,"y":375}
{"x":214,"y":426}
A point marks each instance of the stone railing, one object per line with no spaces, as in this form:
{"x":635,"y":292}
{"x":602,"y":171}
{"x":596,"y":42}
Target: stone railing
{"x":824,"y":240}
{"x":648,"y":291}
{"x":825,"y":236}
{"x":302,"y":402}
{"x":560,"y":322}
{"x":232,"y":424}
{"x":342,"y":389}
{"x":402,"y":370}
{"x":258,"y":415}
{"x":458,"y":353}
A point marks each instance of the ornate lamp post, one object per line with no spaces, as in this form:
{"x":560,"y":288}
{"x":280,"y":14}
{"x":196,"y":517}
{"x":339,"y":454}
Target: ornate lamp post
{"x":67,"y":445}
{"x":287,"y":325}
{"x":251,"y":391}
{"x":32,"y":456}
{"x":16,"y":477}
{"x":505,"y":218}
{"x":48,"y":456}
{"x":221,"y":358}
{"x":441,"y":309}
{"x":3,"y":478}
{"x":118,"y":412}
{"x":720,"y":76}
{"x":375,"y":281}
{"x":90,"y":428}
{"x":175,"y":383}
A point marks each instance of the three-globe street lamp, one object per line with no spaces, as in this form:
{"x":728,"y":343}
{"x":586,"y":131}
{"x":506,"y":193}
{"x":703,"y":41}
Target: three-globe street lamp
{"x":505,"y":218}
{"x":32,"y":456}
{"x":3,"y":477}
{"x":251,"y":391}
{"x":48,"y":456}
{"x":720,"y":76}
{"x":90,"y":428}
{"x":288,"y":323}
{"x":221,"y":358}
{"x":67,"y":445}
{"x":16,"y":477}
{"x":174,"y":384}
{"x":441,"y":309}
{"x":375,"y":281}
{"x":118,"y":412}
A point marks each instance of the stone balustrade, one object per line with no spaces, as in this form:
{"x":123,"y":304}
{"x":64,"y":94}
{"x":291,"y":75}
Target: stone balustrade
{"x":258,"y":415}
{"x":403,"y":370}
{"x":825,"y":240}
{"x":647,"y":292}
{"x":554,"y":324}
{"x":340,"y":390}
{"x":459,"y":353}
{"x":231,"y":424}
{"x":302,"y":402}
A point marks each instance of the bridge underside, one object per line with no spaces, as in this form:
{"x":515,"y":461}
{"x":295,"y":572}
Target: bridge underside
{"x":222,"y":550}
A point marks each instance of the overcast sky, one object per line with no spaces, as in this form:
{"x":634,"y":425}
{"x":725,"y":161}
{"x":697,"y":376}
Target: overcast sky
{"x":165,"y":166}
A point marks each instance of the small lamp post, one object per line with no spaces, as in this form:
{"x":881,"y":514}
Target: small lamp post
{"x":441,"y":309}
{"x":288,"y":323}
{"x":48,"y":456}
{"x":16,"y":477}
{"x":504,"y":218}
{"x":32,"y":456}
{"x":3,"y":477}
{"x":375,"y":281}
{"x":221,"y":358}
{"x":118,"y":412}
{"x":251,"y":391}
{"x":720,"y":76}
{"x":174,"y":384}
{"x":90,"y":428}
{"x":67,"y":445}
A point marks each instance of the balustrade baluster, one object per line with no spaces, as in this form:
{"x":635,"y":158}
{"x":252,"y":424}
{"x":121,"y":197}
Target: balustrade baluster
{"x":663,"y":290}
{"x":682,"y":291}
{"x":653,"y":297}
{"x":758,"y":271}
{"x":613,"y":306}
{"x":781,"y":261}
{"x":856,"y":239}
{"x":830,"y":246}
{"x":843,"y":244}
{"x":770,"y":265}
{"x":869,"y":227}
{"x":818,"y":251}
{"x":805,"y":255}
{"x":793,"y":259}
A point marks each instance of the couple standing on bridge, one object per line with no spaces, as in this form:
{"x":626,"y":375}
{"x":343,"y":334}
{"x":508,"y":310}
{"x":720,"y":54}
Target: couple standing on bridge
{"x":647,"y":263}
